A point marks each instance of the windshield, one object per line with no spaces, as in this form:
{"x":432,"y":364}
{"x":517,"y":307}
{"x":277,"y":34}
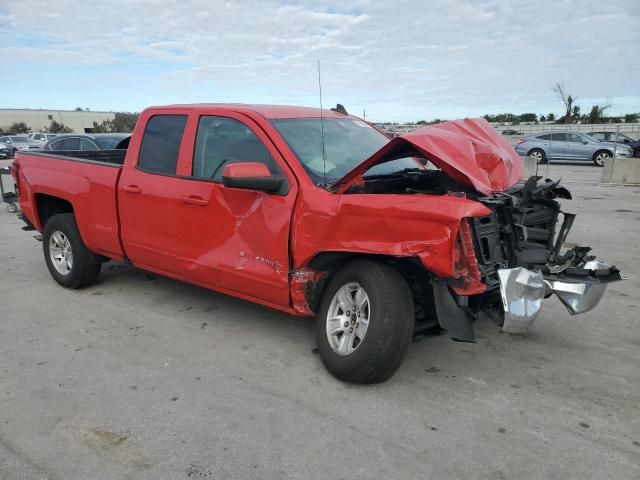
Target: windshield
{"x":347,"y":143}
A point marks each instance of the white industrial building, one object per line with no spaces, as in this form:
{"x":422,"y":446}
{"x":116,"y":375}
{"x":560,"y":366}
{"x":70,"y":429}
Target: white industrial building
{"x":39,"y":120}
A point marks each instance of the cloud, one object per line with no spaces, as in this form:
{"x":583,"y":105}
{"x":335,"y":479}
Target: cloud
{"x":399,"y":60}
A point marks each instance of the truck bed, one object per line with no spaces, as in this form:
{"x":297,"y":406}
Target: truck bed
{"x":85,"y":179}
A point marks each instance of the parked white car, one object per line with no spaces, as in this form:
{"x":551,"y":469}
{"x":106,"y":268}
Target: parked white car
{"x":42,"y":137}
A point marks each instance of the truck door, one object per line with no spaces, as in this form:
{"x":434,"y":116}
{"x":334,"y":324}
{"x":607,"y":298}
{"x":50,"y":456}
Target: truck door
{"x":234,"y":240}
{"x":149,"y":199}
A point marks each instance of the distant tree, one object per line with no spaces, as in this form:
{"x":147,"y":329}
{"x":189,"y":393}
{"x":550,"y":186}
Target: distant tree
{"x":567,"y":99}
{"x":124,"y":122}
{"x":19,"y":127}
{"x":79,"y":109}
{"x":543,"y":118}
{"x":528,"y":117}
{"x":631,"y":118}
{"x":435,"y":122}
{"x":597,"y":115}
{"x":421,"y":122}
{"x":575,"y":112}
{"x":58,"y":127}
{"x":551,"y":117}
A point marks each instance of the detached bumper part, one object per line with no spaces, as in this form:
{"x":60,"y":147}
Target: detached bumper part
{"x":578,"y":288}
{"x":522,"y":292}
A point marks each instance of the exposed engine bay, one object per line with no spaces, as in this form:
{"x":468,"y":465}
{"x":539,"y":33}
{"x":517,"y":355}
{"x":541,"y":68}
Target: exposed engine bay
{"x":518,"y":248}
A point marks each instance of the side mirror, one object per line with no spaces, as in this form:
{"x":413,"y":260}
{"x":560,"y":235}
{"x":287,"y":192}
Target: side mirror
{"x":251,"y":176}
{"x":584,"y":142}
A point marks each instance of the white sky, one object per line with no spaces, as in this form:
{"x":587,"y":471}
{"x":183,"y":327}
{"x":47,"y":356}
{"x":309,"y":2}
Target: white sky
{"x":401,"y":60}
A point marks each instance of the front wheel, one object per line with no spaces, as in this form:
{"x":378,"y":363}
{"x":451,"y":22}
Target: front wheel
{"x":68,"y":259}
{"x":600,"y":157}
{"x":365,"y":322}
{"x":538,"y":155}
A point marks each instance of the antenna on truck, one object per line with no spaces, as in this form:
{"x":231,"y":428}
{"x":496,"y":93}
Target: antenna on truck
{"x":324,"y":158}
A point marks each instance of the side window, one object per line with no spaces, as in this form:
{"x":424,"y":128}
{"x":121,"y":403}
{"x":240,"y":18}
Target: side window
{"x":161,"y":143}
{"x":86,"y":144}
{"x":598,"y":136}
{"x":572,"y":137}
{"x":544,"y":137}
{"x":57,"y":145}
{"x":69,"y":144}
{"x":221,"y":141}
{"x":559,"y":137}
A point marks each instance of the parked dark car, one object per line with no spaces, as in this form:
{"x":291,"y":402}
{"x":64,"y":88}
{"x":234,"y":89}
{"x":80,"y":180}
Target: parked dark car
{"x":88,"y":142}
{"x":618,"y":137}
{"x":511,"y":132}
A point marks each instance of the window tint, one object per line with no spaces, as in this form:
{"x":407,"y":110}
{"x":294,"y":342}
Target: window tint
{"x":222,"y":141}
{"x":69,"y":144}
{"x":598,"y":136}
{"x":161,"y":143}
{"x":57,"y":145}
{"x":544,"y":137}
{"x":572,"y":137}
{"x":86,"y":144}
{"x":559,"y":137}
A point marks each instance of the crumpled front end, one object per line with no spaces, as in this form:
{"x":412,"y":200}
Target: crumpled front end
{"x":519,"y":252}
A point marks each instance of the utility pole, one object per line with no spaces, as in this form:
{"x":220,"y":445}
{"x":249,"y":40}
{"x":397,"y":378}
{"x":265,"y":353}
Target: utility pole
{"x":364,"y":114}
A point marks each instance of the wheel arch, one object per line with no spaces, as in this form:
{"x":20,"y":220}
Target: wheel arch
{"x":605,"y":150}
{"x":49,"y":205}
{"x":411,"y":268}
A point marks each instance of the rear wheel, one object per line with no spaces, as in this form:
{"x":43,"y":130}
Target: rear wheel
{"x":600,"y":156}
{"x":538,"y":155}
{"x":68,"y":259}
{"x":365,"y":322}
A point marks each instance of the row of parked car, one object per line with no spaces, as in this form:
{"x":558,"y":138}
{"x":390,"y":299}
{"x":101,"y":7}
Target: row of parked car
{"x":10,"y":144}
{"x":570,"y":146}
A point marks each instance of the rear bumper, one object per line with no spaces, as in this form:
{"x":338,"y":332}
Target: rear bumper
{"x":579,"y":288}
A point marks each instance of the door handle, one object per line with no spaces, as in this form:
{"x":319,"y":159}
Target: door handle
{"x":194,"y":200}
{"x":132,"y":189}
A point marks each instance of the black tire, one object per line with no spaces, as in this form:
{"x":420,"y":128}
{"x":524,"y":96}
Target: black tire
{"x":86,"y":266}
{"x":598,"y":157}
{"x":539,"y":155}
{"x":390,"y":330}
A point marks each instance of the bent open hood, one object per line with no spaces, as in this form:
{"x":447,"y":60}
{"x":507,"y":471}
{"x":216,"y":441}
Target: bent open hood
{"x":470,"y":151}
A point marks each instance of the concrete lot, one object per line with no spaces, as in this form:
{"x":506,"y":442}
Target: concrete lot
{"x":143,"y":377}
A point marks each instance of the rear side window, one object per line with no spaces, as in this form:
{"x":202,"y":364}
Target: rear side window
{"x":161,"y":143}
{"x":67,"y":144}
{"x":222,"y":141}
{"x":559,"y":137}
{"x":598,"y":136}
{"x":544,"y":137}
{"x":86,"y":144}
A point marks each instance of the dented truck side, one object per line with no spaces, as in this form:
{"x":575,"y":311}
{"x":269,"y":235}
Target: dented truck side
{"x":429,"y":231}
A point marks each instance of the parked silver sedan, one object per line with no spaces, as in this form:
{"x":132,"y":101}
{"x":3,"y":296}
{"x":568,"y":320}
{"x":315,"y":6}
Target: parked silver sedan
{"x":570,"y":146}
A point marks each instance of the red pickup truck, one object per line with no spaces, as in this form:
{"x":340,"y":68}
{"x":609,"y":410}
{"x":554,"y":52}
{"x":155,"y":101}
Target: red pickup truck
{"x":318,"y":214}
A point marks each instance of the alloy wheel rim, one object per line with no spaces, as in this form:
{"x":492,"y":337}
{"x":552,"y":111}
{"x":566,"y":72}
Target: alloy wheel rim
{"x":60,"y":253}
{"x":600,"y":158}
{"x":348,"y":319}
